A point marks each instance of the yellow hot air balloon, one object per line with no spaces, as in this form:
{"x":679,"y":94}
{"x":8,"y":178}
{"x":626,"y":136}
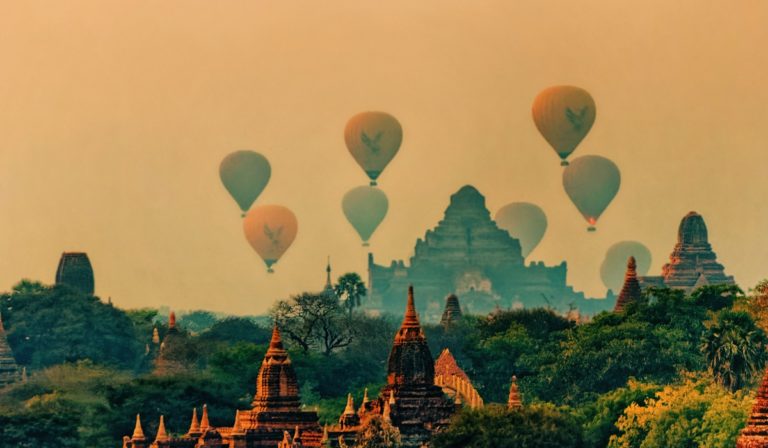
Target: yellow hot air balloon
{"x":373,"y":139}
{"x":270,"y":229}
{"x":591,"y":182}
{"x":564,"y":116}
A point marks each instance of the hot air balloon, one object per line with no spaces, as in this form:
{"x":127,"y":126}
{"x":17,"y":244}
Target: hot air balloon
{"x":564,"y":116}
{"x":524,"y":221}
{"x":373,"y":139}
{"x":270,"y":229}
{"x":365,"y":207}
{"x":591,"y":182}
{"x":615,"y":263}
{"x":245,"y":174}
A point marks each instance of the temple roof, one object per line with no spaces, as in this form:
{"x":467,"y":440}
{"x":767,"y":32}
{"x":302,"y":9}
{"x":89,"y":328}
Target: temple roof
{"x":631,"y":291}
{"x":446,"y":366}
{"x":410,"y":361}
{"x":452,"y":312}
{"x":755,"y":434}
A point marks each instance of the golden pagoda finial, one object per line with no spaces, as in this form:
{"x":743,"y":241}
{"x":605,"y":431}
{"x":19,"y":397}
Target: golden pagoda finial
{"x":138,"y":433}
{"x":350,"y":409}
{"x":172,"y":320}
{"x":411,"y":319}
{"x":204,"y":424}
{"x":162,"y":434}
{"x":276,"y":343}
{"x":194,"y":426}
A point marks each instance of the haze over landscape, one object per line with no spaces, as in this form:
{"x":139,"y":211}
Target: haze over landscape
{"x":114,"y":118}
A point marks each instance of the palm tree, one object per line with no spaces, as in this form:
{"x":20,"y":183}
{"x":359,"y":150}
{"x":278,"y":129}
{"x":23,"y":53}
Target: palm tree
{"x":734,"y":348}
{"x":351,"y":288}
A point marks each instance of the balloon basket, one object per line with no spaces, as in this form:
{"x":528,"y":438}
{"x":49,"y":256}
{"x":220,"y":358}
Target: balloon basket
{"x":564,"y":163}
{"x":270,"y":271}
{"x":242,"y":215}
{"x":373,"y":183}
{"x":366,"y":244}
{"x":591,"y":229}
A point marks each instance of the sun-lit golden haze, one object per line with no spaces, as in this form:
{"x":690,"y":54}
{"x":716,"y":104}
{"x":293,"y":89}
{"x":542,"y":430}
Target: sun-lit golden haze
{"x":115,"y":115}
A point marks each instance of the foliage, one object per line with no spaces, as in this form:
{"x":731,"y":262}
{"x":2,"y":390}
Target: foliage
{"x":53,"y":325}
{"x":350,"y":288}
{"x":197,"y":321}
{"x":314,"y":321}
{"x":493,"y":426}
{"x":734,"y":347}
{"x":693,"y":413}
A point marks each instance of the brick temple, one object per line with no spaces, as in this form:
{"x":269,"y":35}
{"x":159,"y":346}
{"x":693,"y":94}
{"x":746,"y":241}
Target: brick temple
{"x":414,"y":402}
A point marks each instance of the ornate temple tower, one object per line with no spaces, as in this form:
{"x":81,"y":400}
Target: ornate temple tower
{"x":276,"y":404}
{"x":75,"y":270}
{"x":755,"y":434}
{"x":171,"y":356}
{"x":692,"y":263}
{"x":417,"y":406}
{"x":631,"y":291}
{"x":514,"y":401}
{"x":9,"y":371}
{"x":452,"y":312}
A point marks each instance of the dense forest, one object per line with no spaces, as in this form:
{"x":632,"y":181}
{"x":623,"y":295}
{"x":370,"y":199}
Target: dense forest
{"x":669,"y":370}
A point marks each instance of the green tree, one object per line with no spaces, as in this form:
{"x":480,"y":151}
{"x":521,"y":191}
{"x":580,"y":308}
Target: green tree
{"x":314,"y":321}
{"x":493,"y":426}
{"x":350,"y":288}
{"x":734,"y":347}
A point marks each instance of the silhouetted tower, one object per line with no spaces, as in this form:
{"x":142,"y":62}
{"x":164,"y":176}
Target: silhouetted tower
{"x":631,"y":291}
{"x":76,"y":271}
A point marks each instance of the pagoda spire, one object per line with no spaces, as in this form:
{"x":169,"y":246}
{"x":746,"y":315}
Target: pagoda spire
{"x":631,"y":291}
{"x":138,"y":432}
{"x":410,"y":361}
{"x":204,"y":424}
{"x":162,"y":434}
{"x":350,"y":409}
{"x":328,"y":284}
{"x":411,"y":319}
{"x":172,"y":320}
{"x":194,"y":426}
{"x":276,"y":343}
{"x":755,"y":433}
{"x":514,"y":402}
{"x":277,"y":388}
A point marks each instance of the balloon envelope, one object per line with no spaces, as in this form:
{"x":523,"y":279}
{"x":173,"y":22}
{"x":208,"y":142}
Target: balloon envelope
{"x":270,"y":229}
{"x":245,"y":174}
{"x":365,"y":207}
{"x":524,"y":221}
{"x":564,"y":115}
{"x":615,"y":263}
{"x":373,"y":139}
{"x":591,"y":182}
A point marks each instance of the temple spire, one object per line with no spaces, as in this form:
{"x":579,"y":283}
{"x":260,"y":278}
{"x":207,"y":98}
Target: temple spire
{"x":172,"y":320}
{"x":631,"y":291}
{"x":194,"y":426}
{"x":138,"y":432}
{"x":162,"y":434}
{"x":411,"y":319}
{"x":514,"y":402}
{"x":204,"y":424}
{"x":328,"y":284}
{"x":350,"y":409}
{"x":276,"y":342}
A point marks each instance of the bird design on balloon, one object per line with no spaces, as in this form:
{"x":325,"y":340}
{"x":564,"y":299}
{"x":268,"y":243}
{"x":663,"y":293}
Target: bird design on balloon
{"x":576,"y":120}
{"x":373,"y":145}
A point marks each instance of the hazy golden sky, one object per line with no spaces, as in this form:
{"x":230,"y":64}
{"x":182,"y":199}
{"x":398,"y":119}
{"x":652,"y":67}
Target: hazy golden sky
{"x":114,"y":116}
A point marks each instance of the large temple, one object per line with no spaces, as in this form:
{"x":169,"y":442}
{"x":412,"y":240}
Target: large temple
{"x":692,"y":263}
{"x":415,"y":403}
{"x":469,"y":255}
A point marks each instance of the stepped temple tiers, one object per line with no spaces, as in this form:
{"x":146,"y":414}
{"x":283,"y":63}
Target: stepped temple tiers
{"x":692,"y":263}
{"x":631,"y":291}
{"x":411,"y":403}
{"x":755,"y":434}
{"x":75,"y":270}
{"x":467,"y":254}
{"x":9,"y":370}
